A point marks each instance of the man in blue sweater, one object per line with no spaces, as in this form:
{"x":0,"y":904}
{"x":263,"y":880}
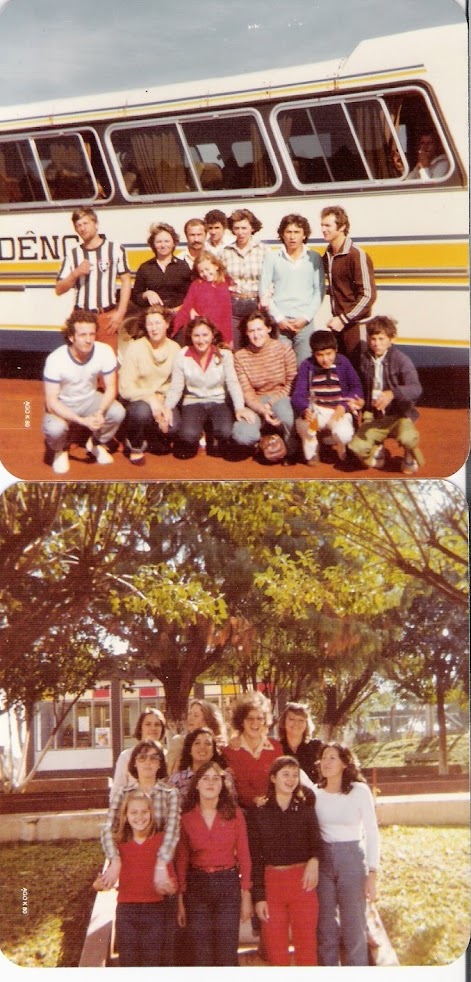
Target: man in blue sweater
{"x":292,"y":284}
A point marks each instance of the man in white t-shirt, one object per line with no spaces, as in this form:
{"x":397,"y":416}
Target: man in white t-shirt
{"x":71,"y":376}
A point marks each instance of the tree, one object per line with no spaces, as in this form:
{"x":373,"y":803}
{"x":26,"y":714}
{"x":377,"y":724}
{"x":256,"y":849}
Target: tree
{"x":430,"y":656}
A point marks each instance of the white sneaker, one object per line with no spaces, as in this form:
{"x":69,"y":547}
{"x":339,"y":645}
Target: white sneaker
{"x":99,"y":452}
{"x":378,"y":459}
{"x":409,"y":464}
{"x":60,"y":464}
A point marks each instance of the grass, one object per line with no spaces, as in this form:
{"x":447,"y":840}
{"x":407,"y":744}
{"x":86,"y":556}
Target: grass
{"x":392,"y":753}
{"x":57,"y":877}
{"x":424,"y":892}
{"x":423,"y":896}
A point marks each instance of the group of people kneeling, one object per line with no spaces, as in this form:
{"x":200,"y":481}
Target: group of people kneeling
{"x":236,"y":832}
{"x":171,"y":397}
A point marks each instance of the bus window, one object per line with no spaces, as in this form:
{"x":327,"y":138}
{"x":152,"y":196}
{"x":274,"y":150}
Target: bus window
{"x":239,"y":157}
{"x":151,"y":160}
{"x":66,"y":167}
{"x":361,"y":140}
{"x":19,"y":175}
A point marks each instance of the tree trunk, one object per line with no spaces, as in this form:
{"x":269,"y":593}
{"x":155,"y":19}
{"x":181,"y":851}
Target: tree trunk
{"x":441,"y":720}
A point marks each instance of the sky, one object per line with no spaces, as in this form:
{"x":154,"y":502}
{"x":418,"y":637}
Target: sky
{"x":54,"y":48}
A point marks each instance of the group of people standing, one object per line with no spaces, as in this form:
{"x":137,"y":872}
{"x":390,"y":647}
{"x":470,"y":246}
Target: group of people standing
{"x":220,"y":345}
{"x":206,"y":832}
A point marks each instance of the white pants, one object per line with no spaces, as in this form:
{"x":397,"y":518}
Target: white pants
{"x":342,"y":429}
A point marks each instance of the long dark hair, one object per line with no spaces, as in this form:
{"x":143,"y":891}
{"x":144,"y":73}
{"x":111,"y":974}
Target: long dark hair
{"x":186,"y":758}
{"x":351,"y":774}
{"x":300,"y":794}
{"x":226,"y":805}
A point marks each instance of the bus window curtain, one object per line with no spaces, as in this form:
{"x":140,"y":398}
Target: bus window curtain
{"x":371,"y":128}
{"x":261,"y":176}
{"x":158,"y":160}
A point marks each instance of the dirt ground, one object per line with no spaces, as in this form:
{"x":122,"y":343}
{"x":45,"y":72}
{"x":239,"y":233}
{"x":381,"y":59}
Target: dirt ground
{"x":444,"y":439}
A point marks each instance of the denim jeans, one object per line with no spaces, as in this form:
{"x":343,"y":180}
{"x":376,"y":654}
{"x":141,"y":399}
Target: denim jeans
{"x":194,"y":417}
{"x":140,"y":932}
{"x":342,"y":904}
{"x":248,"y":434}
{"x":141,"y":428}
{"x":213,"y":911}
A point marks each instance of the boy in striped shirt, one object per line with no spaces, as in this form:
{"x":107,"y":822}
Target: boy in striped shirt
{"x":326,"y":396}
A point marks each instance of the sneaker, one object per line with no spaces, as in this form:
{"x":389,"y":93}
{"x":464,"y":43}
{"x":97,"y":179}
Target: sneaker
{"x":378,"y":459}
{"x":60,"y":464}
{"x":409,"y":464}
{"x":98,"y":451}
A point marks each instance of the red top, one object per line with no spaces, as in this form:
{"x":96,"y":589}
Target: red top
{"x":136,"y":878}
{"x":211,"y":300}
{"x":222,"y":846}
{"x":251,"y":773}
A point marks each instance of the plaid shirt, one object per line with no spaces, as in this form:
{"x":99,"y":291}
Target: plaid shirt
{"x":166,"y":806}
{"x":244,"y":268}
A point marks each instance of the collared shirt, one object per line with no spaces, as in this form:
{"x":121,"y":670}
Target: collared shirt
{"x":251,"y":773}
{"x":281,"y":837}
{"x":170,"y":283}
{"x":211,"y":384}
{"x":244,"y":268}
{"x":97,"y":290}
{"x":222,"y":846}
{"x":166,"y":809}
{"x":297,"y":285}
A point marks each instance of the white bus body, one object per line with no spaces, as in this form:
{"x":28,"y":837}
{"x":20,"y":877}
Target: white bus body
{"x":280,"y":142}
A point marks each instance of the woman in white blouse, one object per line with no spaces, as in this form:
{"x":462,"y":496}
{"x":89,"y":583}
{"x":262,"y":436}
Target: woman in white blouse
{"x":347,"y":873}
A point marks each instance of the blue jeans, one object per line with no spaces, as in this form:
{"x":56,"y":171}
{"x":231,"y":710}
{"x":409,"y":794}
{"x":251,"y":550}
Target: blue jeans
{"x":194,"y":416}
{"x":299,"y":341}
{"x":248,"y":434}
{"x":212,"y":904}
{"x":140,"y":932}
{"x":342,"y":904}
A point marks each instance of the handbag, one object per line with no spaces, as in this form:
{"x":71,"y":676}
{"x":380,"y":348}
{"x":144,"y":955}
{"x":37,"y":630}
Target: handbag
{"x":272,"y":447}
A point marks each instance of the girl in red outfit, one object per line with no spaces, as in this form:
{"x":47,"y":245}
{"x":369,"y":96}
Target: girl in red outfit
{"x":208,"y":296}
{"x":213,"y":868}
{"x":251,"y":753}
{"x":285,"y":844}
{"x":140,"y":912}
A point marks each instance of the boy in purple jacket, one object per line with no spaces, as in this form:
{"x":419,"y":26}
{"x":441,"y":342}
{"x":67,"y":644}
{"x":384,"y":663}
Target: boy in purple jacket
{"x":327,"y":395}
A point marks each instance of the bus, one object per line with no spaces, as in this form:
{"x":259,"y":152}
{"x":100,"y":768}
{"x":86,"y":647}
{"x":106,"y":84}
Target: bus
{"x":343,"y":132}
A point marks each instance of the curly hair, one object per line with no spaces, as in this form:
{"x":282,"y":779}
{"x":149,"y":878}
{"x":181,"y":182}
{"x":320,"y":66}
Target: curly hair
{"x":297,"y":220}
{"x":243,"y":214}
{"x":298,"y":709}
{"x":341,"y":217}
{"x":352,"y":772}
{"x":149,"y":745}
{"x":246,"y":702}
{"x":157,"y":227}
{"x":186,"y":759}
{"x":303,"y":795}
{"x":226,"y":805}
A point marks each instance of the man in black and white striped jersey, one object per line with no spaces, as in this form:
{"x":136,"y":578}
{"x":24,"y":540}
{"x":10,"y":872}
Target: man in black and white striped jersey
{"x":91,"y":268}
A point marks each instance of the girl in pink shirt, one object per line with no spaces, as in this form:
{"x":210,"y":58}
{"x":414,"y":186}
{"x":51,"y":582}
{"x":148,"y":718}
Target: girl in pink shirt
{"x":208,"y":296}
